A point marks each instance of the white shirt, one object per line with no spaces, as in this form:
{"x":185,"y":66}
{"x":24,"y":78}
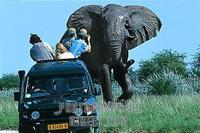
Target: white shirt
{"x":66,"y":55}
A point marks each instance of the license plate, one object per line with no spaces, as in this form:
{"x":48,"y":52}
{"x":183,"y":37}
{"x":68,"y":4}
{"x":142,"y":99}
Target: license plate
{"x":83,"y":121}
{"x":57,"y":126}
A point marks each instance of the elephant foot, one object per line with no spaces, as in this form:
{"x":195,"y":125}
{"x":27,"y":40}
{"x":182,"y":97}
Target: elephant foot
{"x":108,"y":104}
{"x":125,"y":96}
{"x":108,"y":100}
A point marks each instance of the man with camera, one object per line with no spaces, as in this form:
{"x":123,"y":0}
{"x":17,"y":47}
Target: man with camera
{"x":81,"y":44}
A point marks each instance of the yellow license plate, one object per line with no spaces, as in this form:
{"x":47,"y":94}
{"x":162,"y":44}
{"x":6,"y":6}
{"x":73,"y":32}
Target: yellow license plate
{"x":57,"y":126}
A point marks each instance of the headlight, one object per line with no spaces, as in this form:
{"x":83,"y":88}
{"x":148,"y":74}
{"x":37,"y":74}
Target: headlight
{"x":35,"y":115}
{"x":78,"y":111}
{"x":89,"y":109}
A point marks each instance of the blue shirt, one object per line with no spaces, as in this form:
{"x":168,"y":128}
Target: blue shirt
{"x":78,"y":47}
{"x":67,"y":42}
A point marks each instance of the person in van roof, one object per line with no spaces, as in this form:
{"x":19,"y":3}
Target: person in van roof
{"x":81,"y":44}
{"x":70,"y":36}
{"x":40,"y":50}
{"x":62,"y":52}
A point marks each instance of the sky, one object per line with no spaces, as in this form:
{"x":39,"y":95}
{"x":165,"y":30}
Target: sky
{"x":18,"y":18}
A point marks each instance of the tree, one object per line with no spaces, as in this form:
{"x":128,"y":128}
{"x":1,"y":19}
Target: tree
{"x":133,"y":74}
{"x":196,"y":64}
{"x":166,"y":59}
{"x":9,"y":81}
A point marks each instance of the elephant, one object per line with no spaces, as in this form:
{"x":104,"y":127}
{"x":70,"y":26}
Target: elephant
{"x":114,"y":30}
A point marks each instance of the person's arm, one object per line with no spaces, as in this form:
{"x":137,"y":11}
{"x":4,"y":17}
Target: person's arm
{"x":33,"y":57}
{"x":88,"y":44}
{"x":48,"y":47}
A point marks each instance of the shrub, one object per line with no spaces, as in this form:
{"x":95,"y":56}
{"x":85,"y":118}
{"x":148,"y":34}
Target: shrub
{"x":166,"y":59}
{"x":9,"y":81}
{"x":167,"y":82}
{"x":196,"y":64}
{"x":194,"y":84}
{"x":133,"y":74}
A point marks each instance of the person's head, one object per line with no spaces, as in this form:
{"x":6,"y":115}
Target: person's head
{"x":34,"y":38}
{"x":60,"y":48}
{"x":71,"y":32}
{"x":82,"y":34}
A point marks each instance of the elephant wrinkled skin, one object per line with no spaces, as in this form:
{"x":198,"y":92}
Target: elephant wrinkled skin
{"x":114,"y":30}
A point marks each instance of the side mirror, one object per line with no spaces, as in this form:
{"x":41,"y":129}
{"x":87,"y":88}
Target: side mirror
{"x":16,"y":96}
{"x":97,"y":90}
{"x":21,"y":74}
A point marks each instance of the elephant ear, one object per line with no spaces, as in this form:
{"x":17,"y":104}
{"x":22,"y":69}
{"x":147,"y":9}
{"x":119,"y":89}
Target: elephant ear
{"x":84,"y":17}
{"x":88,"y":17}
{"x":144,"y":25}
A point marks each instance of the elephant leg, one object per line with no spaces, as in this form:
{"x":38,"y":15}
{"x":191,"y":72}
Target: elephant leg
{"x":123,"y":79}
{"x":105,"y":79}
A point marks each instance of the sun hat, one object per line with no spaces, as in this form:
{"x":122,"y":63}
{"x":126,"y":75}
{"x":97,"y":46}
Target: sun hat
{"x":83,"y":32}
{"x":71,"y":31}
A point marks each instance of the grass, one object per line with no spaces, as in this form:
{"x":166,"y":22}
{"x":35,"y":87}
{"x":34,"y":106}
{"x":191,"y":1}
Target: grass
{"x":8,"y":111}
{"x":143,"y":114}
{"x":153,"y":114}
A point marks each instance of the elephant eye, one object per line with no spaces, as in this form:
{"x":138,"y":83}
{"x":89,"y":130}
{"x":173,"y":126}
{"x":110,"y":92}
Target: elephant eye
{"x":127,"y":20}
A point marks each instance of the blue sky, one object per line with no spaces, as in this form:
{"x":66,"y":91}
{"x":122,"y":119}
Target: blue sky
{"x":18,"y":18}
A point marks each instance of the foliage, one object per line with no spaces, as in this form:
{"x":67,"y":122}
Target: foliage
{"x":167,"y":82}
{"x":166,"y":59}
{"x":9,"y":81}
{"x":161,"y":86}
{"x":196,"y":64}
{"x":194,"y":83}
{"x":133,"y":74}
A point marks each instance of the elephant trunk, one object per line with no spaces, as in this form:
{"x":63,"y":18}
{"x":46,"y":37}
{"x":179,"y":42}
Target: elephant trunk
{"x":115,"y":51}
{"x":114,"y":32}
{"x":114,"y":39}
{"x":118,"y":55}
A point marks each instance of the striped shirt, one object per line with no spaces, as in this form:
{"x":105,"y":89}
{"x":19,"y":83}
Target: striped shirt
{"x":41,"y":51}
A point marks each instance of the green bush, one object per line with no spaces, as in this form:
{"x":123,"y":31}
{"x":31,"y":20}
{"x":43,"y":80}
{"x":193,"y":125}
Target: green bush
{"x":194,"y":83}
{"x":161,"y":86}
{"x":9,"y":81}
{"x":167,"y":82}
{"x":133,"y":74}
{"x":196,"y":64}
{"x":166,"y":59}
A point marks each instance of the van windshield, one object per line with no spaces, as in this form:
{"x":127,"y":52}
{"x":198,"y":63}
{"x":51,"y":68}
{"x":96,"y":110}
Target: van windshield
{"x":70,"y":84}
